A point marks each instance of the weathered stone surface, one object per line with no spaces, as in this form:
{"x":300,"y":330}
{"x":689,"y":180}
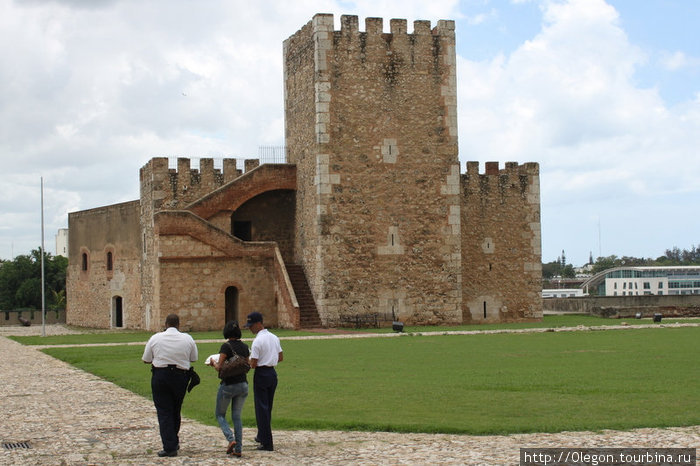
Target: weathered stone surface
{"x":372,"y":205}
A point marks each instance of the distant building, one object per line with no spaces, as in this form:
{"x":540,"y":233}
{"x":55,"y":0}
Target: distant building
{"x":62,"y":242}
{"x":640,"y":281}
{"x":562,"y":293}
{"x":563,"y":283}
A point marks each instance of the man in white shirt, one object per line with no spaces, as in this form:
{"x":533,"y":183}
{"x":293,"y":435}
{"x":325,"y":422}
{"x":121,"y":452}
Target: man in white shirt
{"x":170,"y":353}
{"x":265,"y":353}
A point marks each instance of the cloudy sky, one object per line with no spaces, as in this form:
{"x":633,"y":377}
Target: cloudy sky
{"x":605,"y":95}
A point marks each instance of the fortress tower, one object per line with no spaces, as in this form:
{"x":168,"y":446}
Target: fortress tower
{"x":370,"y":216}
{"x":371,"y":125}
{"x":501,"y":243}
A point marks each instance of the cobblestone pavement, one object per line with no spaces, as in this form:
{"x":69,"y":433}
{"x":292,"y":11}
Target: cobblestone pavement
{"x":70,"y":417}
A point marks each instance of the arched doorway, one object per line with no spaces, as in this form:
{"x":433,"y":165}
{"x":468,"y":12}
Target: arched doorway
{"x":231,"y":304}
{"x":117,"y":313}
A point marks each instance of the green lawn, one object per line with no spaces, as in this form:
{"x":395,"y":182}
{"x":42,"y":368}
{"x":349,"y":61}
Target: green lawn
{"x":127,"y":336}
{"x":477,"y":384}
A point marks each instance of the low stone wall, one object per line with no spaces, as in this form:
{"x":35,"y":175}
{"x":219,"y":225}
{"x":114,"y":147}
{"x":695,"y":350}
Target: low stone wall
{"x":627,"y":306}
{"x":9,"y":318}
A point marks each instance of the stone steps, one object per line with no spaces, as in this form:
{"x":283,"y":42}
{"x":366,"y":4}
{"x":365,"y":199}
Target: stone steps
{"x":308,"y":313}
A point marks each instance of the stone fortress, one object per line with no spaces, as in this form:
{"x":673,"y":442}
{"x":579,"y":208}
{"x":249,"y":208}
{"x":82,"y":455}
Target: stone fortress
{"x":369,"y":220}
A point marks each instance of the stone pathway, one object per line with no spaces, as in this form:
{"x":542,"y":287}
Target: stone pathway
{"x":70,"y":417}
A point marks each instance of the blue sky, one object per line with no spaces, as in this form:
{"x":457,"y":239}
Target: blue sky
{"x":604,"y":95}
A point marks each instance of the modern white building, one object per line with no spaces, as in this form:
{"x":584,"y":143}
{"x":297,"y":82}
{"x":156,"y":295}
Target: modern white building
{"x":562,"y":293}
{"x":62,"y":242}
{"x":640,"y":281}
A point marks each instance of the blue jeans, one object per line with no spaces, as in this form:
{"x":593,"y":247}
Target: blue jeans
{"x":235,"y":393}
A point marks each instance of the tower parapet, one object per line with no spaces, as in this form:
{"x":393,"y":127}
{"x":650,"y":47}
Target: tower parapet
{"x":512,"y":180}
{"x":171,"y":188}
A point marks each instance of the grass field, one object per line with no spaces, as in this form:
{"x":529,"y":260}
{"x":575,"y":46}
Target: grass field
{"x":477,"y":384}
{"x":127,"y":336}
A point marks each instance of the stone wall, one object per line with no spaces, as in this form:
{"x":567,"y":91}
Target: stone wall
{"x":303,"y":99}
{"x":162,"y":188}
{"x":627,"y":306}
{"x":501,"y":243}
{"x":11,"y":318}
{"x":195,"y":289}
{"x":91,"y":293}
{"x":380,"y":173}
{"x":186,"y":185}
{"x":197,"y":262}
{"x":271,"y":218}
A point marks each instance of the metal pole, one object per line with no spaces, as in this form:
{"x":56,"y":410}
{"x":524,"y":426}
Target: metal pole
{"x":43,"y":298}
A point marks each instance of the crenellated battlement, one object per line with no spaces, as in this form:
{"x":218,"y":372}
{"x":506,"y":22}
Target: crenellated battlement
{"x":170,"y":188}
{"x":424,"y":45}
{"x":513,"y":178}
{"x":511,"y":168}
{"x":349,"y":27}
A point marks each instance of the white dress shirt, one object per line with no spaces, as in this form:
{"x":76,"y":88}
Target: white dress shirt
{"x":170,"y":347}
{"x":266,"y":348}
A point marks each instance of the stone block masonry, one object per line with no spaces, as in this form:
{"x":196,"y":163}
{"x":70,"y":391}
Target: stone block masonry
{"x":381,"y":213}
{"x":371,"y":206}
{"x":501,"y":244}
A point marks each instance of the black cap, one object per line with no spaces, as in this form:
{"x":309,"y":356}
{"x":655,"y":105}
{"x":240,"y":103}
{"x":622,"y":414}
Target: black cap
{"x":253,"y":317}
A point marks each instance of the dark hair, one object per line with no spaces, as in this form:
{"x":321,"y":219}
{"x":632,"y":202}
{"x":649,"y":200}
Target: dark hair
{"x":172,"y":321}
{"x":232,"y":330}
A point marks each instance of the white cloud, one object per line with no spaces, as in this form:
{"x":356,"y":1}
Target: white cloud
{"x":92,"y":90}
{"x":678,"y":60}
{"x":567,"y":98}
{"x":675,"y":61}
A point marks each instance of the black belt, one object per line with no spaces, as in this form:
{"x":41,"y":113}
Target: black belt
{"x":264,"y":367}
{"x":171,"y":367}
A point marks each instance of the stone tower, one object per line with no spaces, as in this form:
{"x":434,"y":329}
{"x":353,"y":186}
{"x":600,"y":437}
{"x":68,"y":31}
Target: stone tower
{"x":501,"y":243}
{"x":371,"y":124}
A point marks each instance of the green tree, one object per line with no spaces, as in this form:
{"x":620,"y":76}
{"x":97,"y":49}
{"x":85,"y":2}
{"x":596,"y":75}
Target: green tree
{"x":551,"y":269}
{"x":20,"y":281}
{"x":568,"y":271}
{"x":29,"y":294}
{"x":604,"y":263}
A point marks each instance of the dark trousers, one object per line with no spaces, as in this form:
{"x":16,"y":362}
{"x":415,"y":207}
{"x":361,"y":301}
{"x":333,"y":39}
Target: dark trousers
{"x":264,"y":385}
{"x":169,"y":387}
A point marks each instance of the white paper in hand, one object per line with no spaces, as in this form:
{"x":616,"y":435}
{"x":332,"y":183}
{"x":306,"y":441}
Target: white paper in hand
{"x":214,"y":358}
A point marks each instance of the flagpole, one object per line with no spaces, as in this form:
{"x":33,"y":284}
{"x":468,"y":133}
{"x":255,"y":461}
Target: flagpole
{"x":43,"y":298}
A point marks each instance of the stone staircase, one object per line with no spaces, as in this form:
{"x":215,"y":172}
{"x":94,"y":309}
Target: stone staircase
{"x":308,"y":314}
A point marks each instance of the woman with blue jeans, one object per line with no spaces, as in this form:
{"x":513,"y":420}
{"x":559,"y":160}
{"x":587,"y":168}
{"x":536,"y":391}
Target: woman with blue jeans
{"x":233,"y":390}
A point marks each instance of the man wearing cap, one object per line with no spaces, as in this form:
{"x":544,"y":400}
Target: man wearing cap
{"x":169,"y":353}
{"x":265,"y":353}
